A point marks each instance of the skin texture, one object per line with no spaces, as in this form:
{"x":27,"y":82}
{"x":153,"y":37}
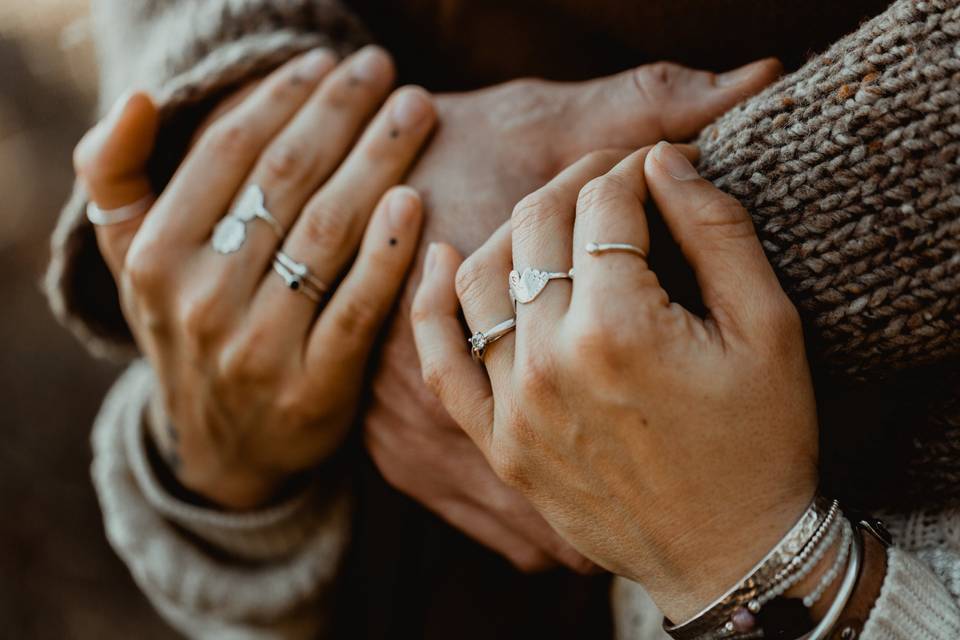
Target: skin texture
{"x":492,"y":147}
{"x":256,"y":384}
{"x":668,"y":448}
{"x":498,"y":145}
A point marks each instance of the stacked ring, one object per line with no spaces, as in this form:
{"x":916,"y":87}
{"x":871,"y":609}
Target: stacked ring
{"x":297,"y":277}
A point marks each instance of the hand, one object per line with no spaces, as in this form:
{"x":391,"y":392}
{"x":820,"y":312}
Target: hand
{"x":256,"y":384}
{"x":492,"y":148}
{"x":669,"y":449}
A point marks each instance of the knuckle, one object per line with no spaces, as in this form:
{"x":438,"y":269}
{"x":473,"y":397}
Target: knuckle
{"x":143,"y":268}
{"x":537,"y":376}
{"x":784,"y":321}
{"x":357,"y":317}
{"x":530,"y":214}
{"x":435,"y":376}
{"x":229,"y":138}
{"x":600,"y":191}
{"x":326,"y":225}
{"x":247,"y":359}
{"x":722,"y":211}
{"x":472,"y":279}
{"x":198,"y":319}
{"x":531,"y":560}
{"x":511,"y":466}
{"x":286,"y":162}
{"x":600,"y":346}
{"x":656,"y":81}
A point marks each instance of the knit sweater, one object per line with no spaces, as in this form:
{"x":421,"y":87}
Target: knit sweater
{"x":849,"y":166}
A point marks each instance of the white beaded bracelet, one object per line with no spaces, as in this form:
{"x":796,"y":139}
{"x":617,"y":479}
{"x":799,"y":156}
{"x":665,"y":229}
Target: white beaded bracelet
{"x":831,"y":574}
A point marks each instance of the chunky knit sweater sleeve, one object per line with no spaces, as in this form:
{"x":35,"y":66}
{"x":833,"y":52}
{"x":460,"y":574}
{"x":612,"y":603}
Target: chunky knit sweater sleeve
{"x":185,"y":54}
{"x":260,"y":575}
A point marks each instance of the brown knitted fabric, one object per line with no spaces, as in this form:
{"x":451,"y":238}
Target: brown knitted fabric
{"x":850,"y":169}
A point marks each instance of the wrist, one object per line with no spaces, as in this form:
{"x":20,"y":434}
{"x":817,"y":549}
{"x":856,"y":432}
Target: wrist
{"x":204,"y":482}
{"x":709,"y":560}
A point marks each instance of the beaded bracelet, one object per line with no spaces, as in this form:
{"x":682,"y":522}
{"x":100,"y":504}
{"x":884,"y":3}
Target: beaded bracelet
{"x":831,"y":574}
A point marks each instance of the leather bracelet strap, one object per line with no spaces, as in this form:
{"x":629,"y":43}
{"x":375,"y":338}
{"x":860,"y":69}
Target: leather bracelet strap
{"x":872,"y":574}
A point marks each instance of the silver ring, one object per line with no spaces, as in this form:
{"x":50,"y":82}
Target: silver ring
{"x":231,"y":232}
{"x":596,"y":248}
{"x":482,"y":339}
{"x":526,"y":286}
{"x":107,"y":217}
{"x":297,"y":277}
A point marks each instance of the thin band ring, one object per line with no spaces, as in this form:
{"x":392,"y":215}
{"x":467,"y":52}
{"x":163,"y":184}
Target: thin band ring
{"x":298,"y":278}
{"x":526,"y":286}
{"x":596,"y":248}
{"x":302,"y":271}
{"x":107,"y":217}
{"x":482,"y":339}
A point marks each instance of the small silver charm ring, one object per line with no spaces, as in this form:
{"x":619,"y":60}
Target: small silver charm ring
{"x":596,"y":248}
{"x":526,"y":286}
{"x":482,"y":339}
{"x":231,"y":232}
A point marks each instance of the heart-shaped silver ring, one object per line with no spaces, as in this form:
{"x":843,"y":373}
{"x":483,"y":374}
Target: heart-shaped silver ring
{"x":526,"y":286}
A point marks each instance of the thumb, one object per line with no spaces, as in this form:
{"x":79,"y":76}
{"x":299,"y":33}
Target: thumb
{"x":717,"y":238}
{"x":111,"y":159}
{"x":111,"y":164}
{"x":664,"y":101}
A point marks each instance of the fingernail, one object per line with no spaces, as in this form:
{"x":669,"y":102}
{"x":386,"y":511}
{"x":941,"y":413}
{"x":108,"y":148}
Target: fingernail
{"x":116,"y":111}
{"x":316,"y":63}
{"x":674,"y":162}
{"x":402,"y":207}
{"x":411,"y":108}
{"x":430,"y":261}
{"x":371,"y":65}
{"x":736,"y":76}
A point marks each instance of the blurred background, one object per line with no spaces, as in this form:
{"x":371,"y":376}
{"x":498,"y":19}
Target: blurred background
{"x":58,"y":577}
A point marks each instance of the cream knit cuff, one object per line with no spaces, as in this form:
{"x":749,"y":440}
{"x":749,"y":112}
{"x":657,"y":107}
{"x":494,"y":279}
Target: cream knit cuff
{"x":913,"y":605}
{"x":261,"y":535}
{"x":304,"y":541}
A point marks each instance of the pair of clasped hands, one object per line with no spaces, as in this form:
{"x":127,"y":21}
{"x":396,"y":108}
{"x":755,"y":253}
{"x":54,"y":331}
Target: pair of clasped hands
{"x":611,"y":427}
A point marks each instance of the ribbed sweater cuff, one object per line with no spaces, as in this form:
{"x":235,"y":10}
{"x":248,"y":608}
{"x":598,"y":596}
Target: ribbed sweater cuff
{"x":303,"y":540}
{"x":913,"y":604}
{"x":261,"y":535}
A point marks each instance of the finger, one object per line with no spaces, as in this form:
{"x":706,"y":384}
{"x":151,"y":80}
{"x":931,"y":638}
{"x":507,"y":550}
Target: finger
{"x":610,"y":210}
{"x":326,"y":235}
{"x":543,"y":235}
{"x":494,"y":533}
{"x":527,"y":522}
{"x":448,"y":371}
{"x":345,"y":331}
{"x":663,"y":101}
{"x":308,"y":150}
{"x":210,"y":176}
{"x":482,"y":289}
{"x":111,"y":162}
{"x":717,"y":238}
